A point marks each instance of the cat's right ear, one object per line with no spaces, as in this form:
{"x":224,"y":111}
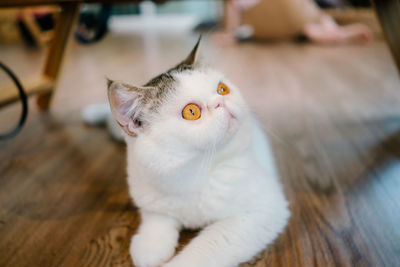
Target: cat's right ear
{"x":192,"y":57}
{"x":127,"y":103}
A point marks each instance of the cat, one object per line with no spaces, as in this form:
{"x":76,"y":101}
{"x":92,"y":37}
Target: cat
{"x":197,"y":159}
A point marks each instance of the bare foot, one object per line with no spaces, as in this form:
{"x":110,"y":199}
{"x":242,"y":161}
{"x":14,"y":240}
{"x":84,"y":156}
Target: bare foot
{"x":357,"y":33}
{"x":328,"y":32}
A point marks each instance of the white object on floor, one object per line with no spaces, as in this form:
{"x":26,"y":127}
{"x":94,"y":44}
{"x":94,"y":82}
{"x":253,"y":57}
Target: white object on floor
{"x":161,"y":22}
{"x":100,"y":114}
{"x":96,"y":114}
{"x":244,"y":32}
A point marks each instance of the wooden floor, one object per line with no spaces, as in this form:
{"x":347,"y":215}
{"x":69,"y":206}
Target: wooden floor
{"x":332,"y":113}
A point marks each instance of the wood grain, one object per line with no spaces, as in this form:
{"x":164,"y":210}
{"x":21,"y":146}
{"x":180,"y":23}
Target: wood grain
{"x":332,"y":114}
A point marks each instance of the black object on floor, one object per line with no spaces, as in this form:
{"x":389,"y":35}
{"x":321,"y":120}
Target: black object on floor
{"x":24,"y":102}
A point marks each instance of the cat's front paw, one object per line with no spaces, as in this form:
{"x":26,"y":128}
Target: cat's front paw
{"x":147,"y":252}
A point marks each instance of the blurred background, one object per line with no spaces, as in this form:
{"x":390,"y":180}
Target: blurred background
{"x":320,"y":76}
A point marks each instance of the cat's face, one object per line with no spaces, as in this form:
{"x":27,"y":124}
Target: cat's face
{"x":185,"y":106}
{"x":204,"y":110}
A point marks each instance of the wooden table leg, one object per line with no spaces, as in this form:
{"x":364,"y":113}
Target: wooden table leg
{"x":57,"y":47}
{"x":388,"y":12}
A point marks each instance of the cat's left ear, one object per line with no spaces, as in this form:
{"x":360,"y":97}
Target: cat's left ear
{"x":128,"y":105}
{"x":192,"y":57}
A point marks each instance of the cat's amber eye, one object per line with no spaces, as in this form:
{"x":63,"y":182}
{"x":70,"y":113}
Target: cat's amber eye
{"x":223,"y":89}
{"x":191,"y":112}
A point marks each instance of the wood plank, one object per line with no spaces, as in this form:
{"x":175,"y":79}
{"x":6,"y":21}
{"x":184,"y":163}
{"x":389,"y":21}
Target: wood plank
{"x":33,"y":85}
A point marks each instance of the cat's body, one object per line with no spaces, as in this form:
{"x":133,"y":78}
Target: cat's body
{"x":209,"y":189}
{"x":214,"y":171}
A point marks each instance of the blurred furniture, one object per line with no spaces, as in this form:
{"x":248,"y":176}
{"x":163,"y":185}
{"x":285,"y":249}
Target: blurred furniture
{"x":93,"y":25}
{"x":9,"y":31}
{"x":41,"y":37}
{"x":44,"y":85}
{"x":388,"y":12}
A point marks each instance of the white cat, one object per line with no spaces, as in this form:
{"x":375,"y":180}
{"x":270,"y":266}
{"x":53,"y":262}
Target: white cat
{"x":197,"y":158}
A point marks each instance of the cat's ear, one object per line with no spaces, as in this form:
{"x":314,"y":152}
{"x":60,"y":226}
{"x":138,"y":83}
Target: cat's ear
{"x":192,"y":57}
{"x":127,"y":104}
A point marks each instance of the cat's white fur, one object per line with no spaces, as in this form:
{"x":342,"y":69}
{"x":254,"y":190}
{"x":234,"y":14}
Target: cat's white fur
{"x":215,"y":173}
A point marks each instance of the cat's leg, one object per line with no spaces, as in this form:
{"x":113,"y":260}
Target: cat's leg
{"x":230,"y":242}
{"x":155,"y":241}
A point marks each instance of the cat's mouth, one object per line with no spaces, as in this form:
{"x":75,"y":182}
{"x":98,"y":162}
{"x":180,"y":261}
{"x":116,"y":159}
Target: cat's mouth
{"x":232,"y":119}
{"x":227,"y":109}
{"x":231,"y":114}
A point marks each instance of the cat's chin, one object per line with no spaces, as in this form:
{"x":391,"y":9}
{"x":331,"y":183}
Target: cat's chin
{"x":232,"y":121}
{"x":232,"y":125}
{"x":229,"y":129}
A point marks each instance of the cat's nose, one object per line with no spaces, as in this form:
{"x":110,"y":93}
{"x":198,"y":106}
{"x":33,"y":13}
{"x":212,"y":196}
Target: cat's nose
{"x":215,"y":103}
{"x":220,"y":105}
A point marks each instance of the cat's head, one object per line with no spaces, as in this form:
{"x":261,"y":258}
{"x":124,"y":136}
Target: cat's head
{"x":187,"y":105}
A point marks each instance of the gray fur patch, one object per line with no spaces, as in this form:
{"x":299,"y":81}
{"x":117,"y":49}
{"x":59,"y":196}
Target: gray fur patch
{"x":164,"y":84}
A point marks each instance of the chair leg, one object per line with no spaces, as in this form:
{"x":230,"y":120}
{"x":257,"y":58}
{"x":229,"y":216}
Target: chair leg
{"x":57,"y":47}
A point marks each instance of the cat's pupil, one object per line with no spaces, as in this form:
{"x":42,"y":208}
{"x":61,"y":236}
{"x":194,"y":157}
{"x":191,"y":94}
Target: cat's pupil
{"x":191,"y":111}
{"x":222,"y":89}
